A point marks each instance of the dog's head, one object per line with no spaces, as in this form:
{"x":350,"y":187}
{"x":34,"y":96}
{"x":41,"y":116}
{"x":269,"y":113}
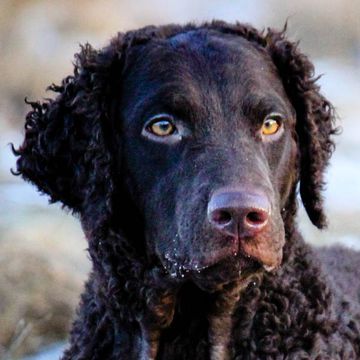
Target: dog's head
{"x":190,"y":141}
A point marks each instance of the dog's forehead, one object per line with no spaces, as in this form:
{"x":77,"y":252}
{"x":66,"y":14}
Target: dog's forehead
{"x":214,"y":46}
{"x":205,"y":56}
{"x":203,"y":69}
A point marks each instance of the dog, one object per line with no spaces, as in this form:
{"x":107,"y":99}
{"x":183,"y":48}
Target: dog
{"x":182,"y":149}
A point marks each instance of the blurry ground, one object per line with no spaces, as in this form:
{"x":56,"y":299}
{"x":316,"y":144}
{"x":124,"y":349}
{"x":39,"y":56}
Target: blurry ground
{"x":43,"y":261}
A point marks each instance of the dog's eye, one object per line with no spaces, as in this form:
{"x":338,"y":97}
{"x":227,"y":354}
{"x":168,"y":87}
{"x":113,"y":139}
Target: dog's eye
{"x":166,"y":129}
{"x":161,"y":126}
{"x":271,"y":125}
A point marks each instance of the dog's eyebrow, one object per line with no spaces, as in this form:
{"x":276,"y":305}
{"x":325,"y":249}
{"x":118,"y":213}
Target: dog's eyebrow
{"x":256,"y":104}
{"x":185,"y":102}
{"x":182,"y":100}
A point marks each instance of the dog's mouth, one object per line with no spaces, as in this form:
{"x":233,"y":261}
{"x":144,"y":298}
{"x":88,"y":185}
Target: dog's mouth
{"x":231,"y":269}
{"x":213,"y":274}
{"x":231,"y":259}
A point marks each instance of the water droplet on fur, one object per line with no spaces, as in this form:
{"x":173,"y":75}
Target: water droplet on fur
{"x":173,"y":273}
{"x":235,"y":253}
{"x":196,"y":268}
{"x":269,"y":268}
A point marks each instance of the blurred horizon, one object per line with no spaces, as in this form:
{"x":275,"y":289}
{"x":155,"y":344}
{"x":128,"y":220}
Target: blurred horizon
{"x":43,"y":256}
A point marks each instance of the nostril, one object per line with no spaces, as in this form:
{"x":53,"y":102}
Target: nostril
{"x":221,"y":217}
{"x":256,"y":218}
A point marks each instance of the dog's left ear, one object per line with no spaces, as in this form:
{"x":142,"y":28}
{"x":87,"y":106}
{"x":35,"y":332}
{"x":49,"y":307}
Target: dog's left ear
{"x":315,"y":119}
{"x":66,"y":152}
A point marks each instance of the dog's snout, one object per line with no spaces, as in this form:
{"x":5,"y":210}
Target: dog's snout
{"x":238,"y":212}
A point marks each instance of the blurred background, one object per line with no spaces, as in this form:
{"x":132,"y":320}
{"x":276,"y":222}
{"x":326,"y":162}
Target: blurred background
{"x":43,"y":259}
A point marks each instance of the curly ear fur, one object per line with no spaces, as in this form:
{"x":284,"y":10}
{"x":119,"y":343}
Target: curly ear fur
{"x":64,"y":152}
{"x":315,"y":120}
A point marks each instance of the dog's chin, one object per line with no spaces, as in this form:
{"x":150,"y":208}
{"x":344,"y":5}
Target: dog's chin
{"x":233,"y":269}
{"x":215,"y":273}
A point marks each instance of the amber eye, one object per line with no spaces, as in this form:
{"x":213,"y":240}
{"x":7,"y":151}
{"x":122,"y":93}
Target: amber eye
{"x":161,"y":127}
{"x":271,"y":125}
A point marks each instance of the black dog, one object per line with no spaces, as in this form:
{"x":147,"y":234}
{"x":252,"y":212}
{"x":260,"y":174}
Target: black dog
{"x":181,"y":148}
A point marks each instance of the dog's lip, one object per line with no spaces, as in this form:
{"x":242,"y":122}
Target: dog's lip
{"x":220,"y":259}
{"x":212,"y":259}
{"x":245,"y":263}
{"x":233,"y":253}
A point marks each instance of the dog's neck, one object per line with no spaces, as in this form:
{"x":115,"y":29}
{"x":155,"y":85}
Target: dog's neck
{"x":221,"y":313}
{"x":217,"y":312}
{"x":123,"y":276}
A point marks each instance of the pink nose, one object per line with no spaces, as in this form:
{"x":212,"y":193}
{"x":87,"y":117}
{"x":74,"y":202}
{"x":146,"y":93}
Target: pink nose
{"x":238,"y":212}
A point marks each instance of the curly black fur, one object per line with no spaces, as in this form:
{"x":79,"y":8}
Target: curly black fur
{"x":130,"y":309}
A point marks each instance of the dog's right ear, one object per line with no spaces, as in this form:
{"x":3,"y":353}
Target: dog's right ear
{"x":65,"y":138}
{"x":315,"y":121}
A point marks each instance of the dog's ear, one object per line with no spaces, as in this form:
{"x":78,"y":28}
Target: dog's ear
{"x":315,"y":120}
{"x":65,"y":151}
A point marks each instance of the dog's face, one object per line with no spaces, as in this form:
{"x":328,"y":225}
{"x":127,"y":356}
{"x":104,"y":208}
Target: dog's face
{"x":199,"y":133}
{"x":208,"y":152}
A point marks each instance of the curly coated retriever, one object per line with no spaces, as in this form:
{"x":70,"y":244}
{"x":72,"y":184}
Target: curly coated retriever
{"x":181,"y":149}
